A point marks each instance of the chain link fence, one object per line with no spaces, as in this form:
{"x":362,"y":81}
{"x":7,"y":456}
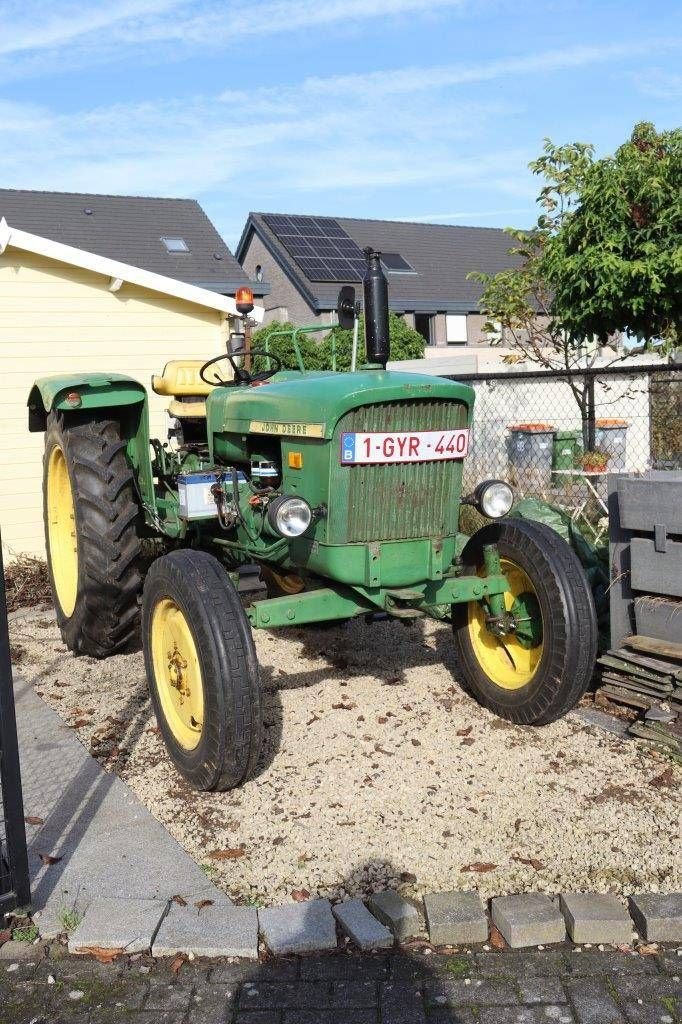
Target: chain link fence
{"x":556,"y":436}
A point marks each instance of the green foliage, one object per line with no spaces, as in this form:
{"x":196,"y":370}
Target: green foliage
{"x":615,"y":262}
{"x":406,"y":343}
{"x":69,"y":919}
{"x":29,"y":934}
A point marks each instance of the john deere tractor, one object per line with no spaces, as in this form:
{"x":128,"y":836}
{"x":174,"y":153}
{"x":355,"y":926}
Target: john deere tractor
{"x":286,"y":498}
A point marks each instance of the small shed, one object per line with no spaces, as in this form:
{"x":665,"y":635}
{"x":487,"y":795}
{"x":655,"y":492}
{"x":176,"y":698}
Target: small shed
{"x":66,"y":310}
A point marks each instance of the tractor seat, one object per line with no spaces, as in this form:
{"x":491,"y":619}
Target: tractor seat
{"x":180,"y":380}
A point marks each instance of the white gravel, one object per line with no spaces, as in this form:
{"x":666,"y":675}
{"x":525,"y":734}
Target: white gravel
{"x":379,"y":770}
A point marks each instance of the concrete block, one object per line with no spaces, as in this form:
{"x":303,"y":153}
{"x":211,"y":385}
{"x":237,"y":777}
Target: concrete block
{"x":530,"y":919}
{"x":592,"y":917}
{"x":363,"y":928}
{"x":658,"y":916}
{"x":15,"y":950}
{"x":298,"y":928}
{"x":455,"y":918}
{"x":219,"y":930}
{"x":396,"y":913}
{"x":129,"y":925}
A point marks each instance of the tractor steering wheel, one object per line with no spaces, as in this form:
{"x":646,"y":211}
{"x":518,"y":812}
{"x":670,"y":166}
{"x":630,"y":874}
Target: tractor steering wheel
{"x":241,"y":376}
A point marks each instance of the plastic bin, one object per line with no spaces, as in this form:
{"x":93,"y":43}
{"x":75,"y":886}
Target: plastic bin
{"x":610,"y":436}
{"x":566,"y":448}
{"x":530,"y":455}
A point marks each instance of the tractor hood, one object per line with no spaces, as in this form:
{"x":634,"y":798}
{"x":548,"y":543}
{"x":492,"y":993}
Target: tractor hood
{"x":310,"y":404}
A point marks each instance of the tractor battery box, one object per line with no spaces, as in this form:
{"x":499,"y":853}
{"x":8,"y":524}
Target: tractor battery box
{"x":195,"y":496}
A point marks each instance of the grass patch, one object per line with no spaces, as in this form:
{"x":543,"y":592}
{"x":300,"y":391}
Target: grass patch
{"x":69,"y":920}
{"x":458,"y":966}
{"x":28,"y":934}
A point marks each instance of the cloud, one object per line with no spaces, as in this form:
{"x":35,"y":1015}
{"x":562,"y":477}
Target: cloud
{"x":662,"y":85}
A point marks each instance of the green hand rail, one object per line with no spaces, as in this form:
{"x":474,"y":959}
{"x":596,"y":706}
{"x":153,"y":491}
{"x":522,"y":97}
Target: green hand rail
{"x":310,"y":329}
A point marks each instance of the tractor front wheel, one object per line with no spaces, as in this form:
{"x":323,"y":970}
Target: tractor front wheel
{"x":202,"y":670}
{"x":537,"y":672}
{"x":93,"y":547}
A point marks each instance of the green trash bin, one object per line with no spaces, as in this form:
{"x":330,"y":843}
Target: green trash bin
{"x":565,"y":450}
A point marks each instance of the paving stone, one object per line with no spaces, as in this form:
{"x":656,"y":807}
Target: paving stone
{"x":401,"y":1004}
{"x":286,"y":995}
{"x":299,"y":927}
{"x":527,"y":963}
{"x":455,"y":918}
{"x":259,"y":1017}
{"x":396,"y":913}
{"x":348,"y":994}
{"x":609,"y":961}
{"x":593,"y":917}
{"x":658,"y":916}
{"x":593,"y":1002}
{"x":236,"y":974}
{"x":648,"y":1013}
{"x":541,"y":990}
{"x":446,"y":1015}
{"x":368,"y":1016}
{"x":344,"y":967}
{"x":649,"y":987}
{"x":15,"y":951}
{"x":552,"y":1013}
{"x":166,"y":994}
{"x":118,"y":924}
{"x":219,"y":930}
{"x":530,"y":919}
{"x":362,"y":927}
{"x":472,"y":992}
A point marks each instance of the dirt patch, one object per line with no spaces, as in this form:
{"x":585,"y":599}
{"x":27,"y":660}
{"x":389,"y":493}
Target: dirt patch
{"x":379,"y":770}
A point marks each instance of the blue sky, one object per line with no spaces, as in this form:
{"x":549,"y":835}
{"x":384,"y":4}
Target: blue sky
{"x":405,"y":109}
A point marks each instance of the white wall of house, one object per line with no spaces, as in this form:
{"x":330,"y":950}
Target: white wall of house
{"x":56,"y":319}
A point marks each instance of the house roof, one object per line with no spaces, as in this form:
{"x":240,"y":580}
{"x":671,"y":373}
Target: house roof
{"x":130,"y":229}
{"x":118,"y":273}
{"x":441,"y":256}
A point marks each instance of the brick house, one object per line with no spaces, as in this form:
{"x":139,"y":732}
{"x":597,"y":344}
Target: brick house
{"x":304,"y":260}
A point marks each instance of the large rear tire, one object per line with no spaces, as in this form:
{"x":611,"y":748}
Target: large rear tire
{"x":202,"y":670}
{"x":536,"y":675}
{"x":93,"y":548}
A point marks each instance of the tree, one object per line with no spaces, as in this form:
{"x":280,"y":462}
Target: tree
{"x":406,"y":343}
{"x":604,"y":257}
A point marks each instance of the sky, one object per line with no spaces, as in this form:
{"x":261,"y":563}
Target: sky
{"x":423,"y":110}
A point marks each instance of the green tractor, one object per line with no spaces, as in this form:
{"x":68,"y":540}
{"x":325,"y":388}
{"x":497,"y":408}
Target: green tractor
{"x":287,"y":498}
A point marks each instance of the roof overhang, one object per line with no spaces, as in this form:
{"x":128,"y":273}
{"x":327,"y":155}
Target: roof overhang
{"x":118,"y":273}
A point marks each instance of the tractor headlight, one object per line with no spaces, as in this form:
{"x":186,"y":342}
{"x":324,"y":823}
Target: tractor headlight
{"x":494,"y":498}
{"x":289,"y":517}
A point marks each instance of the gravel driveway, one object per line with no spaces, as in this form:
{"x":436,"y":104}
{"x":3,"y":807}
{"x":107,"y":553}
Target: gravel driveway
{"x":379,"y":770}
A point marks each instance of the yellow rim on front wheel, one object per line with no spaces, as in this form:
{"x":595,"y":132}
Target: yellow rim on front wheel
{"x":508,"y":661}
{"x":177,"y":673}
{"x":61,"y":531}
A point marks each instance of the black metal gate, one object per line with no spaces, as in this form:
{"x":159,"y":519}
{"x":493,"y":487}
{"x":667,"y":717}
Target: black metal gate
{"x":14,"y":880}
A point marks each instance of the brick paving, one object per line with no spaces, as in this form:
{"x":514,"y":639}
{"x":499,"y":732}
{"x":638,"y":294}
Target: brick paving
{"x":526,"y":987}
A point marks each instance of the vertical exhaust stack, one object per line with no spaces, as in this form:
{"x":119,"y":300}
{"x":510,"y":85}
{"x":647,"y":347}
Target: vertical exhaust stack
{"x":375,"y":289}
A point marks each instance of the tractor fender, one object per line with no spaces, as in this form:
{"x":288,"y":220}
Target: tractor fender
{"x":113,"y":395}
{"x":96,"y":390}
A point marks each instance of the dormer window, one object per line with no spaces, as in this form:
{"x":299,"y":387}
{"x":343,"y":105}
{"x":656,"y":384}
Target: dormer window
{"x":174,"y":245}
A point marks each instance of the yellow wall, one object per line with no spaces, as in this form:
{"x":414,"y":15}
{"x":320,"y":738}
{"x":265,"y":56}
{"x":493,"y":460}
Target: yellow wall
{"x":56,"y":319}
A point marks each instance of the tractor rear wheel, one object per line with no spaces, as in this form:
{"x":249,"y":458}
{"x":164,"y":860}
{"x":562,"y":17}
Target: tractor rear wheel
{"x":93,"y":548}
{"x":202,"y":670}
{"x":537,"y":673}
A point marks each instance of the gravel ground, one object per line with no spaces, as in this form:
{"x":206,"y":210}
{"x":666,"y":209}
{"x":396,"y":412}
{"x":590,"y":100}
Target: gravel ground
{"x":379,"y":770}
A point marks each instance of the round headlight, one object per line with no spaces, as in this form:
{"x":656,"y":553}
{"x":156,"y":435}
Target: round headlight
{"x":495,"y":498}
{"x":290,"y":517}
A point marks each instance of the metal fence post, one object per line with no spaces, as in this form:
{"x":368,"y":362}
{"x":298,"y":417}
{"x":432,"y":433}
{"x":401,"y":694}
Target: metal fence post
{"x":14,"y":877}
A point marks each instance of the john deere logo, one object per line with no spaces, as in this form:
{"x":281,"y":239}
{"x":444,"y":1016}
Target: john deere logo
{"x":288,"y":429}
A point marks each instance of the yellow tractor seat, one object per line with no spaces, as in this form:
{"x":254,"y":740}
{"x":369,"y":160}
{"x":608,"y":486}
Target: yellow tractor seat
{"x":181,"y":381}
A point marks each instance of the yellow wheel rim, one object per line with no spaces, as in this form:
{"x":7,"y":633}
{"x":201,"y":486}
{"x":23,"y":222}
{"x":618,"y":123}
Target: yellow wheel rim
{"x":61,"y":531}
{"x":177,"y":673}
{"x":505,"y":660}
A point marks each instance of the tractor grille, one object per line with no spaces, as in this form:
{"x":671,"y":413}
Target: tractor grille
{"x":403,"y":500}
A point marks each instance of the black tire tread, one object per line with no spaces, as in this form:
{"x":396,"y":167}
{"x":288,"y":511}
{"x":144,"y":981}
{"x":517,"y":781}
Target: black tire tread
{"x":231,"y":742}
{"x":106,"y":618}
{"x":571,"y":636}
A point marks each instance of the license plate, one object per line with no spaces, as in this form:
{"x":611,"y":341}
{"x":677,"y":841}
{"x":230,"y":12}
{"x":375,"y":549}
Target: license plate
{"x":403,"y":446}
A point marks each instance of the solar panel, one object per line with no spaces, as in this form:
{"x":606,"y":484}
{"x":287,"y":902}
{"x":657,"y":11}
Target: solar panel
{"x":319,"y":246}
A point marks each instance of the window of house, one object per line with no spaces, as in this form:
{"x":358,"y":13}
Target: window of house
{"x":456,"y":329}
{"x":175,"y":244}
{"x":394,"y":263}
{"x":259,"y":272}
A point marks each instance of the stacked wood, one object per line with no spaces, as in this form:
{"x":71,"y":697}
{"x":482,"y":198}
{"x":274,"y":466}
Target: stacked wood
{"x":645,"y":675}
